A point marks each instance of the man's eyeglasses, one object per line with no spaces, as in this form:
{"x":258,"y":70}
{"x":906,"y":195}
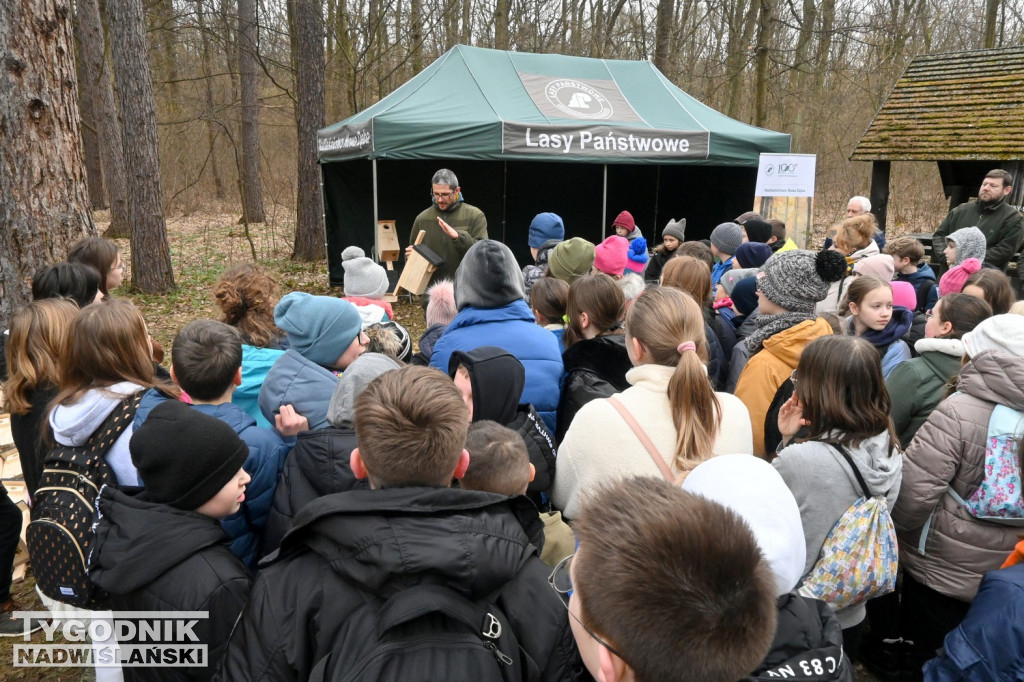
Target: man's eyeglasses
{"x":561,"y":582}
{"x":442,"y":195}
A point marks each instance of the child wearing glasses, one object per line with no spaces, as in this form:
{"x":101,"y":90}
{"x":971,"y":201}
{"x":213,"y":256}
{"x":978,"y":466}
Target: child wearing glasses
{"x":348,"y":554}
{"x":666,"y":585}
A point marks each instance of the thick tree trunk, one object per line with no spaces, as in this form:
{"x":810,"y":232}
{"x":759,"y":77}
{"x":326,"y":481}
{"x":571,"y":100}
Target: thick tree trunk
{"x":91,"y":147}
{"x":416,"y":35}
{"x":663,"y":33}
{"x":249,"y":174}
{"x":309,"y":117}
{"x":100,"y":89}
{"x":151,"y":256}
{"x":44,"y":202}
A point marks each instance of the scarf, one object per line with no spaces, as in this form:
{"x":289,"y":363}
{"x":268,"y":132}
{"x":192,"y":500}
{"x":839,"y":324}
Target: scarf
{"x":770,"y":325}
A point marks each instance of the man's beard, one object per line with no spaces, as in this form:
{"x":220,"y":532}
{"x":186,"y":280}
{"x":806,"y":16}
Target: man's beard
{"x":989,"y":202}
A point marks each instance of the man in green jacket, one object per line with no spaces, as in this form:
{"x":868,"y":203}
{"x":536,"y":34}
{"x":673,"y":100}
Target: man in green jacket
{"x":451,"y":225}
{"x":1001,"y":223}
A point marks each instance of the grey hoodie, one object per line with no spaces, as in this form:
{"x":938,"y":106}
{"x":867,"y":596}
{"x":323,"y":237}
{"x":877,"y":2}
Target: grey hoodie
{"x":364,"y":369}
{"x":825,"y":487}
{"x":73,"y":424}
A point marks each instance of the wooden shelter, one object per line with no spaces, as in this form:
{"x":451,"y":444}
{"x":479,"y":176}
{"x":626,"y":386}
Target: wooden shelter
{"x":963,"y":110}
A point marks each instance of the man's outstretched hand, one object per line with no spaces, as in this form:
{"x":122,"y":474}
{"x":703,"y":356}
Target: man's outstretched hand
{"x":448,"y":229}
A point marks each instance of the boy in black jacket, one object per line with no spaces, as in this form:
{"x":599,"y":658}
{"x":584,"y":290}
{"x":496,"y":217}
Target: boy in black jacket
{"x":163,"y":548}
{"x":347,"y":553}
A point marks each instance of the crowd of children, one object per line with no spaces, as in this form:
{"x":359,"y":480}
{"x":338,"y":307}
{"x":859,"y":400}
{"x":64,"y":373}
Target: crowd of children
{"x":624,"y":465}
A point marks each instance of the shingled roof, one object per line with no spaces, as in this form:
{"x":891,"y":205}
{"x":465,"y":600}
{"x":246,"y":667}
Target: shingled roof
{"x":955,"y":106}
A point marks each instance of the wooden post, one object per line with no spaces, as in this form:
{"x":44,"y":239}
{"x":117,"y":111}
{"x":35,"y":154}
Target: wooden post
{"x":880,"y":171}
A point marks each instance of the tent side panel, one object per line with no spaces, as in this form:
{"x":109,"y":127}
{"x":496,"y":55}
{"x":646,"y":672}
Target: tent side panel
{"x":348,"y":211}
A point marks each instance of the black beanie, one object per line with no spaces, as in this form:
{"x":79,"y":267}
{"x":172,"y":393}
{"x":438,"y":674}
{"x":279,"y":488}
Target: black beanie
{"x":185,"y":457}
{"x":758,"y":230}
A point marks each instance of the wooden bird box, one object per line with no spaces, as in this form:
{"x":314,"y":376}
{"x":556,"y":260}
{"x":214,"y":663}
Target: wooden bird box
{"x":387,"y":242}
{"x":419,"y":267}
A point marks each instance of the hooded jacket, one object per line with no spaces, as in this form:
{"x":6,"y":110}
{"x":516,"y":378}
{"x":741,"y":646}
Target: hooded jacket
{"x":301,"y":383}
{"x":531,"y":273}
{"x":74,"y":424}
{"x":347,"y":549}
{"x":918,"y":385}
{"x":27,"y":433}
{"x":513,"y":327}
{"x":941,"y":545}
{"x":497,"y":380}
{"x":825,"y":487}
{"x":267,"y":453}
{"x":1001,"y":223}
{"x":925,"y":285}
{"x":256,"y":364}
{"x":152,"y":557}
{"x":600,"y":445}
{"x":768,"y":368}
{"x":594,"y":368}
{"x":469,"y":221}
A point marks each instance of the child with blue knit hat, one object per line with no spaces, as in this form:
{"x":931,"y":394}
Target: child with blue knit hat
{"x":546,"y":232}
{"x":326,"y":336}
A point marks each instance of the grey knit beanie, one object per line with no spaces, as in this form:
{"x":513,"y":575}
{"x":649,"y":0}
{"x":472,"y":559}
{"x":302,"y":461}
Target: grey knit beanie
{"x":675,"y":228}
{"x":488,"y":277}
{"x":727,"y":237}
{"x":363,"y":277}
{"x":797,"y":280}
{"x":970,"y":243}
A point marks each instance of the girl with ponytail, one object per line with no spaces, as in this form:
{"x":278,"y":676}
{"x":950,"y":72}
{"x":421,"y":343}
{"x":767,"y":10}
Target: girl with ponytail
{"x":668,"y":421}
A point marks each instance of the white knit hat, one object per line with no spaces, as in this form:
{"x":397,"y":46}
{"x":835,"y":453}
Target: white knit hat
{"x":363,"y":277}
{"x":1000,"y":332}
{"x":752,"y":488}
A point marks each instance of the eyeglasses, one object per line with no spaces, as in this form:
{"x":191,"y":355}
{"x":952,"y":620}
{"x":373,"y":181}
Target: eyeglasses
{"x":561,"y":582}
{"x":442,"y":195}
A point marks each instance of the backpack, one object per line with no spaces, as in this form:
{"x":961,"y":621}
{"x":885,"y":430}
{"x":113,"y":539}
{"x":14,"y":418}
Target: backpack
{"x":923,"y":289}
{"x":859,"y":557}
{"x":998,"y":498}
{"x":426,"y":633}
{"x":60,"y":534}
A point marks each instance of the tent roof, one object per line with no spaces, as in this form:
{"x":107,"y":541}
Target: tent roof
{"x":956,"y":106}
{"x":480,"y":104}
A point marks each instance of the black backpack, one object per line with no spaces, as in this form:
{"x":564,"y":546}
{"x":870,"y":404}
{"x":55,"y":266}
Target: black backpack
{"x":60,"y":535}
{"x":426,"y":633}
{"x":923,"y":289}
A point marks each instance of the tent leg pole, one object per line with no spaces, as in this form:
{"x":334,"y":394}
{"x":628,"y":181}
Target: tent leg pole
{"x":376,"y":240}
{"x":604,"y":202}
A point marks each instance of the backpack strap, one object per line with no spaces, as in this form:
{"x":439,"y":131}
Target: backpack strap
{"x":645,"y":440}
{"x":856,"y":472}
{"x":105,"y":435}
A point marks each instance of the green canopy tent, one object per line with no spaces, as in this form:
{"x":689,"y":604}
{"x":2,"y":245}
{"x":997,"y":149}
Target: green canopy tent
{"x":525,"y":133}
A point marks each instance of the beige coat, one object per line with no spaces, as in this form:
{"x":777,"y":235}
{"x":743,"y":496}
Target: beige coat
{"x":599,"y":446}
{"x":941,"y":545}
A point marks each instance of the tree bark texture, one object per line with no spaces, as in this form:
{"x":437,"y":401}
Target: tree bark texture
{"x":211,"y":131}
{"x":97,"y":87}
{"x":44,"y":201}
{"x":90,"y":146}
{"x":151,"y":255}
{"x":309,"y":117}
{"x":249,"y":174}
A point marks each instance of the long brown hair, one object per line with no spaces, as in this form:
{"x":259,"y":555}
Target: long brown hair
{"x":996,"y":287}
{"x":246,"y":295}
{"x":38,"y":340}
{"x":661,"y":319}
{"x":601,"y":299}
{"x":98,"y":252}
{"x":861,"y":286}
{"x":855,"y":233}
{"x":691,"y":275}
{"x":839,"y":381}
{"x":108,"y":344}
{"x":963,"y":312}
{"x":549,"y":297}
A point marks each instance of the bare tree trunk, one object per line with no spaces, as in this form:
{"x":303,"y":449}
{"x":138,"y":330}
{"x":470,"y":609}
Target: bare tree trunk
{"x":249,"y":174}
{"x":151,"y":256}
{"x":501,"y":10}
{"x":211,"y":130}
{"x":416,"y":35}
{"x":90,"y":146}
{"x":309,"y":117}
{"x":108,"y":127}
{"x":801,"y":67}
{"x":764,"y":40}
{"x":44,"y":204}
{"x":663,"y":33}
{"x":991,"y":15}
{"x":166,"y":25}
{"x":738,"y":55}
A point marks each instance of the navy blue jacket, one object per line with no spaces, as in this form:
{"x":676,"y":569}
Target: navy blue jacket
{"x":512,"y":328}
{"x":267,"y":452}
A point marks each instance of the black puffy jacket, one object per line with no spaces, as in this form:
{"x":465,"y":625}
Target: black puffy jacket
{"x":594,"y":368}
{"x":318,"y":465}
{"x":152,"y":557}
{"x":808,"y":644}
{"x":366,"y":544}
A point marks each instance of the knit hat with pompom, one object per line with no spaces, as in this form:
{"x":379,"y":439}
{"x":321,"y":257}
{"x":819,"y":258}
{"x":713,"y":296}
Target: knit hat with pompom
{"x":797,"y":280}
